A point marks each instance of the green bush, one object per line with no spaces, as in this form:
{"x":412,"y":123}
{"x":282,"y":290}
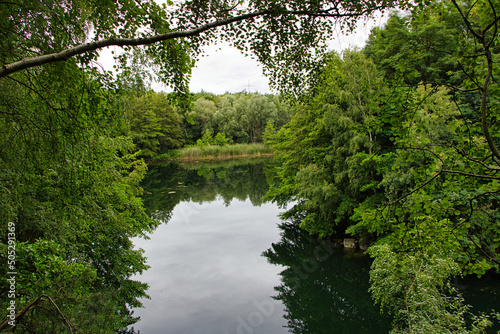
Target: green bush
{"x":207,"y":139}
{"x":220,"y":139}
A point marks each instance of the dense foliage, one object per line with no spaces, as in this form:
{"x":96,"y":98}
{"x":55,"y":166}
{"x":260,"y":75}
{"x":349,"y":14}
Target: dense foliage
{"x":157,"y":124}
{"x":69,"y":184}
{"x":71,"y":135}
{"x":322,"y":147}
{"x":398,"y":143}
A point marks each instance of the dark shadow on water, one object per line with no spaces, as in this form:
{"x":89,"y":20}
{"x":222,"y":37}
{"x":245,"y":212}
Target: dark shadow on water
{"x":483,"y":295}
{"x":324,"y":289}
{"x":167,"y":185}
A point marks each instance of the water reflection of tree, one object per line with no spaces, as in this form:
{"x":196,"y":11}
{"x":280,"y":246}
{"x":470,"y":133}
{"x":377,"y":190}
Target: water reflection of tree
{"x":166,"y":186}
{"x":324,"y":290}
{"x":161,"y":191}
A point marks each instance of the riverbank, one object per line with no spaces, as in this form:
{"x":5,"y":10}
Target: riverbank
{"x":216,"y":152}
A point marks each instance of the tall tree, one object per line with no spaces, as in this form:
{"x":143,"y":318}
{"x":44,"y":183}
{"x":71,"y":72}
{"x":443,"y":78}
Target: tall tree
{"x":155,"y":126}
{"x":200,"y":118}
{"x":324,"y":142}
{"x":260,"y":110}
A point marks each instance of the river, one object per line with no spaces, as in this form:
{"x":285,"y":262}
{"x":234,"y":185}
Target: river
{"x":223,"y":262}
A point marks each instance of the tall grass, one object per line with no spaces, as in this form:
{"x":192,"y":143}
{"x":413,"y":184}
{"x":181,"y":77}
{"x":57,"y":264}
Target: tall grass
{"x":225,"y":163}
{"x":223,"y":152}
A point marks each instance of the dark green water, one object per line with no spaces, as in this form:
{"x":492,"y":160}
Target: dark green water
{"x":223,"y":262}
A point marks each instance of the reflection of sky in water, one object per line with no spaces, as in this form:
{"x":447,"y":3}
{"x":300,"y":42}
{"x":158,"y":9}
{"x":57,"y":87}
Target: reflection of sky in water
{"x":207,"y":274}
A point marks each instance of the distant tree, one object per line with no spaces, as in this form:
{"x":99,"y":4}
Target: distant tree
{"x":282,"y":112}
{"x":269,"y":133}
{"x":200,"y":118}
{"x":225,"y":119}
{"x":220,"y":139}
{"x":206,"y":140}
{"x":259,"y":111}
{"x":155,"y":126}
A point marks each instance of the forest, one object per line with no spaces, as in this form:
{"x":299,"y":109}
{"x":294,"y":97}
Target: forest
{"x":157,"y":125}
{"x":395,"y":143}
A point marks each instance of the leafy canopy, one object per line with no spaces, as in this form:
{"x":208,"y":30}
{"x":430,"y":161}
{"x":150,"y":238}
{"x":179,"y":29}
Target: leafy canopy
{"x":287,"y":37}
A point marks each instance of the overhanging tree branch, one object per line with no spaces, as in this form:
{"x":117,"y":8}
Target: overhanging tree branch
{"x":480,"y":176}
{"x":23,"y":64}
{"x":86,"y":47}
{"x":426,"y":182}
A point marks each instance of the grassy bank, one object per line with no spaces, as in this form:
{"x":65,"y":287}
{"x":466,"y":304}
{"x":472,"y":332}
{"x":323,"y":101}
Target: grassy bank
{"x":214,"y":152}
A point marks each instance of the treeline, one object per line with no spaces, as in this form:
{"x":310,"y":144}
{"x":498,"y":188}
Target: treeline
{"x":397,"y":143}
{"x":158,"y":123}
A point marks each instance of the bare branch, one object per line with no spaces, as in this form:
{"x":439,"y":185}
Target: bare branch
{"x":484,"y":87}
{"x":66,"y":321}
{"x":482,"y":163}
{"x":417,"y":188}
{"x":466,"y":20}
{"x":34,"y":304}
{"x":481,"y":249}
{"x":493,"y":23}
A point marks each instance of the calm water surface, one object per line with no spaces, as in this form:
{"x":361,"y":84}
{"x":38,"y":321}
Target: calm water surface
{"x":222,"y":262}
{"x":207,"y":274}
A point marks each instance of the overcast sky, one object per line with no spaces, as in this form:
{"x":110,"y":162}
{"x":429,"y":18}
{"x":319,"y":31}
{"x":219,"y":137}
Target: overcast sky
{"x":225,"y":69}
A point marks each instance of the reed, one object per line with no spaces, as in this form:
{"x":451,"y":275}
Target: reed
{"x":215,"y":152}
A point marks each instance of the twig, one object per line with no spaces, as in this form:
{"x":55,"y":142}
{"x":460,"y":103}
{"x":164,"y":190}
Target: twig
{"x":31,"y":306}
